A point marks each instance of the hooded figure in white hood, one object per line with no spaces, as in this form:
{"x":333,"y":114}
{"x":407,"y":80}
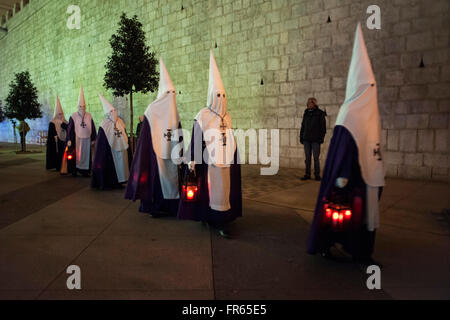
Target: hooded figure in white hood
{"x":56,"y":138}
{"x":213,"y":157}
{"x":81,"y":136}
{"x":110,"y":167}
{"x":354,"y":172}
{"x":154,"y":170}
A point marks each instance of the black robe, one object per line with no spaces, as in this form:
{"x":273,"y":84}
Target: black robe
{"x":55,"y":150}
{"x":72,"y":165}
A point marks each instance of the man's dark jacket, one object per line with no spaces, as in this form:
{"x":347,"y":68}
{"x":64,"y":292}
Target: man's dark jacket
{"x":313,"y":126}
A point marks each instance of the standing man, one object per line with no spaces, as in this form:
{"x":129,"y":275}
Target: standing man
{"x":81,"y":135}
{"x":23,"y":129}
{"x":312,"y":134}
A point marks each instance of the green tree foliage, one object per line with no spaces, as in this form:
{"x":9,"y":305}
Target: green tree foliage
{"x":2,"y":113}
{"x":22,"y":101}
{"x":131,"y":66}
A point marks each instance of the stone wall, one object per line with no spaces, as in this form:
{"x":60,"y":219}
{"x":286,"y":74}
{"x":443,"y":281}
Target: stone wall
{"x":289,"y":45}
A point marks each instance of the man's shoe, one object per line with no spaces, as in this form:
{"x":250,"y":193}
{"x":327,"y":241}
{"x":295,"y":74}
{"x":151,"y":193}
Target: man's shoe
{"x":305,"y":177}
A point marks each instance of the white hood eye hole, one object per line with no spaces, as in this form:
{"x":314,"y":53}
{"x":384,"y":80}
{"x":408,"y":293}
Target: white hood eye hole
{"x":218,"y":95}
{"x":224,"y":95}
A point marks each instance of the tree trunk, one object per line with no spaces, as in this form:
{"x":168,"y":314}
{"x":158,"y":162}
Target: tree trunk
{"x":131,"y":123}
{"x":24,"y":145}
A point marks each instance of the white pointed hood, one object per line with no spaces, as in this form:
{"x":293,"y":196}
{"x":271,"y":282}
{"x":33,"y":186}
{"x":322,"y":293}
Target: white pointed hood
{"x":58,"y":119}
{"x":162,"y":115}
{"x":108,"y":109}
{"x":217,"y":100}
{"x":82,"y":119}
{"x":81,"y":102}
{"x":165,"y":83}
{"x":113,"y":126}
{"x":359,"y":113}
{"x":215,"y":122}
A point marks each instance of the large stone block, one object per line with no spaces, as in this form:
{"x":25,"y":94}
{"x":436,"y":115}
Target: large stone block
{"x":408,"y":140}
{"x":442,"y":140}
{"x":417,"y":121}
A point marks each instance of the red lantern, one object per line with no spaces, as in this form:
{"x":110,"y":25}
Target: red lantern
{"x":189,"y":188}
{"x":336,"y":215}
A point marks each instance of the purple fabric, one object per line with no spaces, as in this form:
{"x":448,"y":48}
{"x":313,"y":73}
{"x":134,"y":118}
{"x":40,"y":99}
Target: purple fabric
{"x":200,"y":210}
{"x":71,"y":165}
{"x":103,"y":172}
{"x":342,"y":161}
{"x":144,"y":183}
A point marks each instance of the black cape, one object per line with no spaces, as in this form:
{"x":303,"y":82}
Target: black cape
{"x":55,"y":149}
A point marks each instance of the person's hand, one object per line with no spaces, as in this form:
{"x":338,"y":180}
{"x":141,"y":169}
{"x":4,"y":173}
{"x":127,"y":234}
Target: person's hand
{"x":69,"y":143}
{"x":56,"y":139}
{"x":191,"y":165}
{"x":341,"y":182}
{"x":92,"y":142}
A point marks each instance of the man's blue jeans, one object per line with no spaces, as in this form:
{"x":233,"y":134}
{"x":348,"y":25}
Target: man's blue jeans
{"x":312,"y":148}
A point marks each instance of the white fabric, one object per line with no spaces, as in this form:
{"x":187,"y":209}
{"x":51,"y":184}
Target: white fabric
{"x":114,"y":127}
{"x":120,"y":159}
{"x":81,"y":101}
{"x":218,"y":154}
{"x":80,"y":131}
{"x":215,"y":122}
{"x":372,"y":212}
{"x":58,"y":119}
{"x":165,"y":83}
{"x":219,"y":188}
{"x":162,"y":115}
{"x":359,"y":113}
{"x":217,"y":100}
{"x":168,"y":177}
{"x":83,"y":149}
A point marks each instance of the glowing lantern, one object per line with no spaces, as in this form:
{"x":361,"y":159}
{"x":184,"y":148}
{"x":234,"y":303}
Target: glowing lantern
{"x":189,"y":188}
{"x":69,"y":157}
{"x":335,"y":216}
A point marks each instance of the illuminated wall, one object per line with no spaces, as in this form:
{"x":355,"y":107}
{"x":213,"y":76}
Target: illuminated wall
{"x":287,"y":44}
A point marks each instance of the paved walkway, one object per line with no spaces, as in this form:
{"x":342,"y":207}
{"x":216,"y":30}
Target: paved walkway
{"x":48,"y":222}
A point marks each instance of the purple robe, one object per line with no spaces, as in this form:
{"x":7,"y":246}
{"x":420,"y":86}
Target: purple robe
{"x":200,"y":210}
{"x":342,"y":161}
{"x":144,"y":183}
{"x":71,"y":165}
{"x":104,"y":174}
